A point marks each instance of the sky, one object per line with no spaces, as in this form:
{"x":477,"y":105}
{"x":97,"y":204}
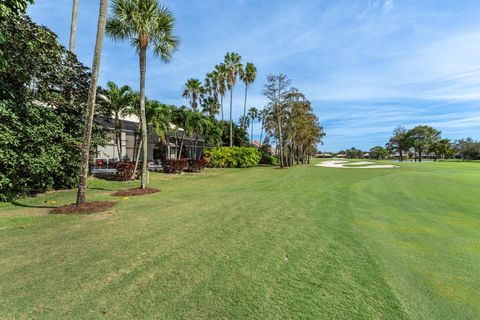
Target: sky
{"x":367,"y":66}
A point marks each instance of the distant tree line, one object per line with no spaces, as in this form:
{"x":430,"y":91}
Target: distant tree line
{"x":416,"y":143}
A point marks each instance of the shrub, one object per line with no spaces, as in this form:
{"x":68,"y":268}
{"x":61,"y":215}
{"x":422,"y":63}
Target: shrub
{"x":125,"y":171}
{"x":196,"y":166}
{"x":232,"y":157}
{"x":174,"y":165}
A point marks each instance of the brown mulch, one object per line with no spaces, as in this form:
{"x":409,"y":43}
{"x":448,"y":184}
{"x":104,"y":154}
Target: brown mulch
{"x":135,"y":192}
{"x":84,"y":208}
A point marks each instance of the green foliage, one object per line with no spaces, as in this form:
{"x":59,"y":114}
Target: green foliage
{"x":232,"y":157}
{"x":378,"y":152}
{"x":42,"y":93}
{"x":13,"y":7}
{"x":354,"y":153}
{"x":468,"y":149}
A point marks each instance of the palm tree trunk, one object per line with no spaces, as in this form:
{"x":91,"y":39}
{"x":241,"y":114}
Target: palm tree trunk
{"x":143,"y":120}
{"x":261,"y":133}
{"x":137,"y":159}
{"x":92,"y":93}
{"x":73,"y":27}
{"x":118,"y":135}
{"x":251,"y":133}
{"x":221,"y":104}
{"x":231,"y":123}
{"x":280,"y":138}
{"x":245,"y":103}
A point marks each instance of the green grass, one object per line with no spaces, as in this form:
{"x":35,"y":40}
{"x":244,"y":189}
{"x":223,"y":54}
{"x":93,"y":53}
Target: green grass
{"x":362,"y":244}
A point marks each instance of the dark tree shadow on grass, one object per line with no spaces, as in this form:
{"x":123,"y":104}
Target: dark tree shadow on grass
{"x":18,"y":204}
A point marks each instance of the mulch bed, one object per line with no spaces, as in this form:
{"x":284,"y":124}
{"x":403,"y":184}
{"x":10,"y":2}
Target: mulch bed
{"x":84,"y":208}
{"x":135,"y":192}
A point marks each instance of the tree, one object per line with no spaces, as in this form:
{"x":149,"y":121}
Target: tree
{"x":244,"y":122}
{"x":275,"y":91}
{"x":192,"y":91}
{"x":378,"y":152}
{"x":262,"y":115}
{"x":92,"y":93}
{"x":221,"y":70}
{"x":116,"y":102}
{"x":354,"y":153}
{"x":468,"y":149}
{"x":422,"y":138}
{"x":399,"y":142}
{"x":144,"y":23}
{"x":209,"y":97}
{"x":14,"y":7}
{"x":234,"y":68}
{"x":73,"y":27}
{"x":442,"y":147}
{"x":252,"y":115}
{"x":248,"y":77}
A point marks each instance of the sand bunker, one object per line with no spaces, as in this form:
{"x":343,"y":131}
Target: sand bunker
{"x":354,"y":165}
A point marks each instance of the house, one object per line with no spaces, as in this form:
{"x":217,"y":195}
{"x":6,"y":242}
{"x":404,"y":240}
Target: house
{"x":158,"y":148}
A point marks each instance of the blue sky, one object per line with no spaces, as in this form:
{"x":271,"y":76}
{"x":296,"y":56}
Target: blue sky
{"x":366,"y":65}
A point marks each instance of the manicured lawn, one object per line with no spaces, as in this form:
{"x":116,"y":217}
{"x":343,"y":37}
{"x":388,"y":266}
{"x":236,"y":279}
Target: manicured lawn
{"x":362,"y":243}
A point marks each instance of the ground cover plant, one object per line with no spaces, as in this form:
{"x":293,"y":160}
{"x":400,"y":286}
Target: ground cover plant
{"x":259,"y":243}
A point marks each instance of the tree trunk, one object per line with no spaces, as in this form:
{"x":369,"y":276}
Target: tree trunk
{"x":118,"y":134}
{"x":137,"y":159}
{"x":221,"y":104}
{"x":245,"y":104}
{"x":231,"y":122}
{"x":419,"y":155}
{"x":143,"y":120}
{"x":92,"y":93}
{"x":261,"y":133}
{"x":401,"y":155}
{"x":251,"y":134}
{"x":73,"y":26}
{"x":280,"y":139}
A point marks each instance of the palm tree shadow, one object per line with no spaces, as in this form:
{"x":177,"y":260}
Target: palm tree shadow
{"x":18,"y":204}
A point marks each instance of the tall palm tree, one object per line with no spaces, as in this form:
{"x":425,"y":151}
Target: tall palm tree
{"x":73,"y":26}
{"x":192,"y":91}
{"x":117,"y":101}
{"x":92,"y":93}
{"x":221,"y":70}
{"x":262,"y":115}
{"x":252,"y":115}
{"x":234,"y":68}
{"x":244,"y":122}
{"x":144,"y":23}
{"x":248,"y":77}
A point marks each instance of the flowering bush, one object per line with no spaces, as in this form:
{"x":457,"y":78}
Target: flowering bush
{"x":125,"y":171}
{"x":174,"y":165}
{"x":196,"y":166}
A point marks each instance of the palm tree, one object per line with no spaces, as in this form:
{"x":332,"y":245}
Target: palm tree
{"x":192,"y":91}
{"x":249,"y":76}
{"x":221,"y":70}
{"x":262,"y":115}
{"x":117,"y":100}
{"x":252,"y":115}
{"x":234,"y":68}
{"x":73,"y":27}
{"x":144,"y":23}
{"x":92,"y":93}
{"x":244,"y":122}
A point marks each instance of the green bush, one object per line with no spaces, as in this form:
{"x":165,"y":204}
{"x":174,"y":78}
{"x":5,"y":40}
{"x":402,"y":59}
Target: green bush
{"x":232,"y":157}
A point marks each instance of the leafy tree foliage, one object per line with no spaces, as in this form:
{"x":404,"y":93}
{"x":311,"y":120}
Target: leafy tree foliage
{"x":378,"y":152}
{"x":290,"y":121}
{"x":42,"y":93}
{"x":468,"y":149}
